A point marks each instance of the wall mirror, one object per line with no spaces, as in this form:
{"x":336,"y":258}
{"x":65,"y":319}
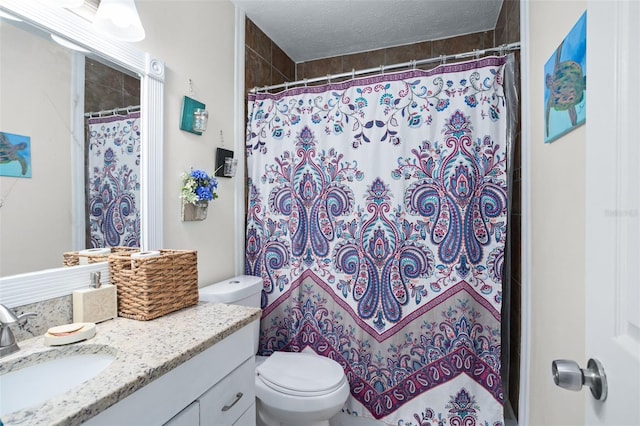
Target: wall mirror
{"x":58,"y":126}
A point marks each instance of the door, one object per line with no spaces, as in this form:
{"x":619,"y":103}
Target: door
{"x":612,"y":208}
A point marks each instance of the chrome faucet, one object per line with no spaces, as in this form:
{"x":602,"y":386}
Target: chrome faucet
{"x":8,"y":344}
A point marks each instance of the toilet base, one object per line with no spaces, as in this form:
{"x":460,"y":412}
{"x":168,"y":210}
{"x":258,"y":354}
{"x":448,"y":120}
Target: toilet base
{"x":263,"y":419}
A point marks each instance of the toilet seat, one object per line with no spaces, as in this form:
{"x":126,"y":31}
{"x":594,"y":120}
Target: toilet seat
{"x":301,"y":374}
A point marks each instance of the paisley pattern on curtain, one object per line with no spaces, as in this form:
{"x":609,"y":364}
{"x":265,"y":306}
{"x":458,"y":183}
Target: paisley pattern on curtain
{"x":377,"y":219}
{"x":113,"y":167}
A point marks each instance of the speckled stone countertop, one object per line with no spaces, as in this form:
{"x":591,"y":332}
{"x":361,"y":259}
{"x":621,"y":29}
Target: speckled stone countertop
{"x":143,"y":350}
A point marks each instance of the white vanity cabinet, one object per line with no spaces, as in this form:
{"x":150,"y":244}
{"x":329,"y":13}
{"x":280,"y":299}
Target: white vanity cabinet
{"x":190,"y":416}
{"x":228,"y":402}
{"x":215,"y":387}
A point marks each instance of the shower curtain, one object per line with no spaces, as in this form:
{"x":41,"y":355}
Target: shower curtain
{"x":113,"y":168}
{"x":377,"y":218}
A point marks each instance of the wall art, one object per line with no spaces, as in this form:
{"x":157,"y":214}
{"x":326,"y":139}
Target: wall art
{"x":15,"y":155}
{"x":565,"y":91}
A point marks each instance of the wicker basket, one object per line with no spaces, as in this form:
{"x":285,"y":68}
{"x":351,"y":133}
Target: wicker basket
{"x":151,"y":287}
{"x":72,"y":258}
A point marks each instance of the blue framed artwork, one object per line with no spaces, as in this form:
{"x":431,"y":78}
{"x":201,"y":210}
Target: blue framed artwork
{"x":15,"y":155}
{"x":565,"y":93}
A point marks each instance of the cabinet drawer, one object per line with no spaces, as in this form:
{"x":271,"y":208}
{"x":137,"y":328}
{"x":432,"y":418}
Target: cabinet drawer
{"x":190,"y":416}
{"x":225,"y":402}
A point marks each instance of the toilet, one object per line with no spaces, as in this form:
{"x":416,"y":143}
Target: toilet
{"x":301,"y":389}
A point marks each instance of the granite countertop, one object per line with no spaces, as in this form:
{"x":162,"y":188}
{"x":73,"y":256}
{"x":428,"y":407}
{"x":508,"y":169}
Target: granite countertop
{"x":143,"y":350}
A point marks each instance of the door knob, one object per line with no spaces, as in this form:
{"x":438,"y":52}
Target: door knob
{"x":568,"y":374}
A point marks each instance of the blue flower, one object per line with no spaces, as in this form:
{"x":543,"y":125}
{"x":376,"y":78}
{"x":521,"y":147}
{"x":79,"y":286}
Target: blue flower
{"x":198,"y":186}
{"x":199,"y":175}
{"x":204,"y":193}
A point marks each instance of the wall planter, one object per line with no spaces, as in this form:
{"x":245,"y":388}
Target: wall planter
{"x":198,"y":188}
{"x":192,"y":212}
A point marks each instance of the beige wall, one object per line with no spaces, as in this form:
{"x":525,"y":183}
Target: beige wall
{"x":196,"y":41}
{"x":35,"y":217}
{"x":557,"y":231}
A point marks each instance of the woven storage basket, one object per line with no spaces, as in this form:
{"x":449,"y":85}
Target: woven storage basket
{"x":72,"y":258}
{"x":151,"y":287}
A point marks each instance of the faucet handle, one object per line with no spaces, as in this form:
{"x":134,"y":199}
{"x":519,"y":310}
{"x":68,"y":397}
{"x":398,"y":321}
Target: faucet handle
{"x":26,"y":315}
{"x":7,"y":316}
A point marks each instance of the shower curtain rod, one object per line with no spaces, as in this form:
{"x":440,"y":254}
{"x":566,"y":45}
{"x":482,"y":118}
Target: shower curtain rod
{"x":115,"y":111}
{"x":382,"y":68}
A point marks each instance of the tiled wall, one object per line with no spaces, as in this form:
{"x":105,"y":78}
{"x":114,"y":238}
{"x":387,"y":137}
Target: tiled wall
{"x":107,"y":88}
{"x":266,"y":64}
{"x":395,"y":55}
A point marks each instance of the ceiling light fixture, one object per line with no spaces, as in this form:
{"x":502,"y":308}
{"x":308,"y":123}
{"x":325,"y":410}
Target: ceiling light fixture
{"x":119,"y":19}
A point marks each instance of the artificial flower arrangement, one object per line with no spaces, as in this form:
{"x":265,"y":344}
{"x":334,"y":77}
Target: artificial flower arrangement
{"x":198,"y":186}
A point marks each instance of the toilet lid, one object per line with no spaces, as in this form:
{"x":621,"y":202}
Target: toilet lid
{"x":300,"y":373}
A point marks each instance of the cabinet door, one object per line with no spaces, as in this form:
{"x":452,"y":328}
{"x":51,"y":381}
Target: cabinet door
{"x":248,"y":418}
{"x":224,"y":404}
{"x":190,"y":416}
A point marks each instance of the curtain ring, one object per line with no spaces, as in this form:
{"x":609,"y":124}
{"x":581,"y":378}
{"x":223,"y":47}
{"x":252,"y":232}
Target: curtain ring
{"x":329,"y":78}
{"x":443,"y":59}
{"x":382,"y":69}
{"x":286,"y":85}
{"x":501,"y":51}
{"x":414,"y":64}
{"x":477,"y":53}
{"x":305,"y":82}
{"x":353,"y":73}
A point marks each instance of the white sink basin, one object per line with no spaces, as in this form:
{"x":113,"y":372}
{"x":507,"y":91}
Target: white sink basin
{"x":36,"y":383}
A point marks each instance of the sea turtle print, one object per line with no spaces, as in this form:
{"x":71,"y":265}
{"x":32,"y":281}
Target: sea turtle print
{"x":10,"y":152}
{"x":566,"y":87}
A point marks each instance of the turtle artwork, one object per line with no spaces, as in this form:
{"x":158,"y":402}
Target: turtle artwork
{"x":10,"y":152}
{"x":566,"y":84}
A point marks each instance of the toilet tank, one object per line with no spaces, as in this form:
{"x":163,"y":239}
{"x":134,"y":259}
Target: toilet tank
{"x":241,"y":290}
{"x":244,"y":290}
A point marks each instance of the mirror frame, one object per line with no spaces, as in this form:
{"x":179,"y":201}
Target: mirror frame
{"x":151,"y":70}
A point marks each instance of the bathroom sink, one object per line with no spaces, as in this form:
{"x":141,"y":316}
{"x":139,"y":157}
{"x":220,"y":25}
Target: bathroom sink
{"x":38,"y":382}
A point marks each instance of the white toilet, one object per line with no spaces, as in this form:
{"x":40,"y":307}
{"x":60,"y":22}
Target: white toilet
{"x":301,"y":389}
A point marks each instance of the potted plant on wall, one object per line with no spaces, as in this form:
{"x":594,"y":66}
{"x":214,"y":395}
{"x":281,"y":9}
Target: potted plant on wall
{"x":198,"y":188}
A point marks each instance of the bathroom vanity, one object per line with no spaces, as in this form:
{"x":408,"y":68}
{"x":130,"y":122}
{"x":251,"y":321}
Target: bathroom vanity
{"x":191,"y":367}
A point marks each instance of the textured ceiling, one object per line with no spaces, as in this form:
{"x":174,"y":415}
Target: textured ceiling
{"x":314,"y":29}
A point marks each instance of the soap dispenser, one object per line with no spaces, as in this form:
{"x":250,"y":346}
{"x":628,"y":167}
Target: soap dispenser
{"x":95,"y":304}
